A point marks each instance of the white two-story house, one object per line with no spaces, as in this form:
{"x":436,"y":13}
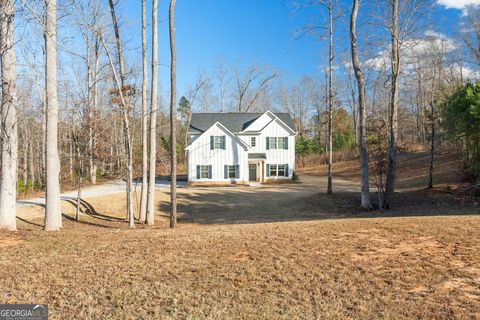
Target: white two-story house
{"x":237,"y":148}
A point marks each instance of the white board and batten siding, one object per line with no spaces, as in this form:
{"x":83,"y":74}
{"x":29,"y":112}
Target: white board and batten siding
{"x":200,"y":153}
{"x":278,"y":156}
{"x":272,"y":128}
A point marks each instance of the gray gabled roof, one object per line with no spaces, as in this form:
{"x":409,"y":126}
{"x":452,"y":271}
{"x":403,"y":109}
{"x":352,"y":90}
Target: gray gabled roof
{"x":235,"y":122}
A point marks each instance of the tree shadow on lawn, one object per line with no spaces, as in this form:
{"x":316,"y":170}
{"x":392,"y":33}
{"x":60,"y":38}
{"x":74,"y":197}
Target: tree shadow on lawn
{"x":88,"y":209}
{"x":85,"y":208}
{"x":227,"y":206}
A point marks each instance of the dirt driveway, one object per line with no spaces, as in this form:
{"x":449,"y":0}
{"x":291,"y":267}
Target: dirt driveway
{"x":267,"y":203}
{"x":305,"y":200}
{"x":206,"y":205}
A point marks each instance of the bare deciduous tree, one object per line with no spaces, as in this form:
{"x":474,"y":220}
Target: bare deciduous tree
{"x":173,"y":117}
{"x":153,"y":117}
{"x":121,"y":88}
{"x":223,"y":81}
{"x":471,"y":37}
{"x":143,"y":197}
{"x":330,"y":98}
{"x":393,"y":107}
{"x":53,"y":214}
{"x":361,"y":136}
{"x":202,"y":81}
{"x":9,"y":140}
{"x":245,"y":86}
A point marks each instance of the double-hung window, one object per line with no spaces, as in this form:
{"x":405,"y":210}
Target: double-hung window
{"x":273,"y":170}
{"x":218,"y":142}
{"x":277,"y":170}
{"x":204,"y":172}
{"x":253,"y":141}
{"x":277,"y":143}
{"x":273,"y":142}
{"x":232,"y":171}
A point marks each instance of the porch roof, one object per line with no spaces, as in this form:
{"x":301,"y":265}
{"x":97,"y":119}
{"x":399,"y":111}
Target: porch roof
{"x":257,"y":156}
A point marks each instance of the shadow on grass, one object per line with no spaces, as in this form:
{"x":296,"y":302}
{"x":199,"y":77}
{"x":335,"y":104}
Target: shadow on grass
{"x":30,"y":222}
{"x":89,"y":209}
{"x":304,"y":202}
{"x":70,"y":218}
{"x":85,"y":208}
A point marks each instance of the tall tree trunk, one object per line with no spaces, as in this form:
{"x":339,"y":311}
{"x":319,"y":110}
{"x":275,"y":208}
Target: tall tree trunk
{"x":80,"y":179}
{"x":361,"y":136}
{"x":25,"y":161}
{"x":432,"y":149}
{"x":32,"y":164}
{"x":53,"y":214}
{"x":393,"y":112}
{"x":44,"y":141}
{"x":330,"y":99}
{"x":91,"y":116}
{"x":432,"y":142}
{"x":70,"y":150}
{"x":143,"y":197}
{"x":125,"y":113}
{"x":173,"y":118}
{"x":153,"y":117}
{"x":9,"y":142}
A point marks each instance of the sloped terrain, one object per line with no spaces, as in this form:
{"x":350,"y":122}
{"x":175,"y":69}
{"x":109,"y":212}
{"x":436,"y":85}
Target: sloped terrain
{"x":275,"y":252}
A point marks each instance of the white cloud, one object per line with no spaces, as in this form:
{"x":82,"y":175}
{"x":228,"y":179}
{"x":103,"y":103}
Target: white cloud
{"x":466,"y":72}
{"x":458,"y":4}
{"x":413,"y":50}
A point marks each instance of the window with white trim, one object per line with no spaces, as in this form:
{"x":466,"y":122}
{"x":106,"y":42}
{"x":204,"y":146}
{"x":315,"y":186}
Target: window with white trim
{"x":203,"y":172}
{"x":218,"y":142}
{"x":273,"y":170}
{"x":277,"y":143}
{"x":232,"y":171}
{"x":253,"y":141}
{"x":273,"y":142}
{"x":278,"y":170}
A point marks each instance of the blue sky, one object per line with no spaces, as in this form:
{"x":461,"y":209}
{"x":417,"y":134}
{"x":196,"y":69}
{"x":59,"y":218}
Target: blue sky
{"x":246,"y":31}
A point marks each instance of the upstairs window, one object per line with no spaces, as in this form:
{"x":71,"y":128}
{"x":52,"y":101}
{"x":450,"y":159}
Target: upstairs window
{"x":253,"y":141}
{"x":273,"y":142}
{"x":217,"y":142}
{"x":277,"y":143}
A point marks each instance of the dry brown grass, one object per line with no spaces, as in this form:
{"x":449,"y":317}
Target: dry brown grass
{"x":393,"y":268}
{"x":317,"y":257}
{"x":412,"y":170}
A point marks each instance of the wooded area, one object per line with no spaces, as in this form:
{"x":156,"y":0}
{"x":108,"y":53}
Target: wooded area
{"x":398,"y":85}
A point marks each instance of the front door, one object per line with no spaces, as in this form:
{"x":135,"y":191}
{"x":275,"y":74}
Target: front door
{"x":252,"y":172}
